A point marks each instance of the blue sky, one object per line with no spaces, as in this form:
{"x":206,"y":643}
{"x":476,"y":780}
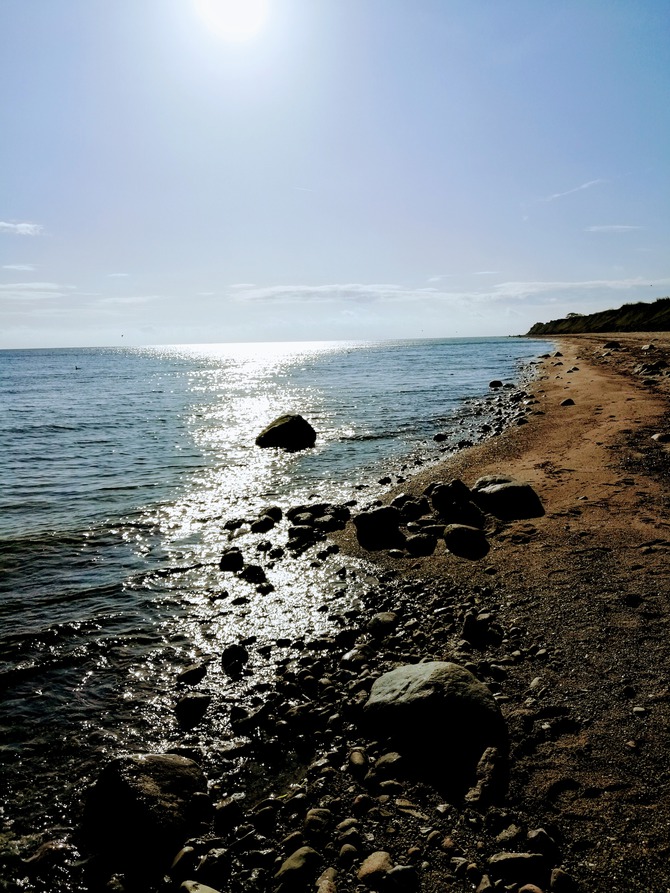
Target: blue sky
{"x":355,"y":169}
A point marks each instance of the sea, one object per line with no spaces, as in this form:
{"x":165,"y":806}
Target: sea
{"x":121,"y":470}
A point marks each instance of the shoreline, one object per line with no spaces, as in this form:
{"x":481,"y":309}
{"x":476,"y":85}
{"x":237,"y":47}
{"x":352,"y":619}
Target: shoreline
{"x":578,"y":597}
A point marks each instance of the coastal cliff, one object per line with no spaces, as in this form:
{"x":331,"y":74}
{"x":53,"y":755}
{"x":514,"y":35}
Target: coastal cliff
{"x":640,"y":317}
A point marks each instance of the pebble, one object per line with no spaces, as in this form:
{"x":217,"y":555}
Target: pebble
{"x":374,"y":868}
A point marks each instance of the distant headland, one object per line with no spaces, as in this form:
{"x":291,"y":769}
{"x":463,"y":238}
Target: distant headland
{"x":640,"y":317}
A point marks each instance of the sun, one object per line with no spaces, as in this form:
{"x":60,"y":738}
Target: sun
{"x":234,"y":19}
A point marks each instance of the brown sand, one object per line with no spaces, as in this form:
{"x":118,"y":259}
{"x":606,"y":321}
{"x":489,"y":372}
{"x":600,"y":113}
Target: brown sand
{"x":589,"y":581}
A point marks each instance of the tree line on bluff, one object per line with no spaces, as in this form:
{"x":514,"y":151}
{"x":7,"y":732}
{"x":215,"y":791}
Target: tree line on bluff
{"x":640,"y":317}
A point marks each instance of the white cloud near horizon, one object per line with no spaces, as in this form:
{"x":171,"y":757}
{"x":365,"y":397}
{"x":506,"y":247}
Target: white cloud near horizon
{"x":21,"y":268}
{"x":118,"y":275}
{"x":612,"y":228}
{"x":21,"y":229}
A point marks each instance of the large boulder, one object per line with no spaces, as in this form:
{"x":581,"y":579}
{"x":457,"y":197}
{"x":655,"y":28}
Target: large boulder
{"x":288,"y":432}
{"x":145,"y":804}
{"x":379,"y":528}
{"x":507,"y":498}
{"x":441,"y":717}
{"x":465,"y":541}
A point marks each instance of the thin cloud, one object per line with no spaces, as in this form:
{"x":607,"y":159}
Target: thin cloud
{"x":34,"y":290}
{"x":588,"y":185}
{"x":356,"y":293}
{"x":130,"y":299}
{"x":21,"y":229}
{"x":523,"y":290}
{"x":612,"y":228}
{"x":487,"y":273}
{"x":20,"y":268}
{"x":118,"y":275}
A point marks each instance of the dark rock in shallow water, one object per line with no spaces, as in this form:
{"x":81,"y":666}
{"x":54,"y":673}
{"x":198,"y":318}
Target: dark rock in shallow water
{"x":234,"y":657}
{"x":379,"y":529}
{"x":231,"y":560}
{"x":439,"y":715}
{"x":507,"y":499}
{"x":144,"y":804}
{"x":191,"y":709}
{"x":288,"y":432}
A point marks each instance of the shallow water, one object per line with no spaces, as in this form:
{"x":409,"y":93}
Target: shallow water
{"x":120,"y":468}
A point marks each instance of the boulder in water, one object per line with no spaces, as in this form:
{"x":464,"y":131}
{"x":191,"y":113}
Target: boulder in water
{"x":288,"y":432}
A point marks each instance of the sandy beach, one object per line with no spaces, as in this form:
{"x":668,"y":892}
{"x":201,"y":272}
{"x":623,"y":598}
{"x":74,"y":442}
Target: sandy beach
{"x":575,"y":650}
{"x":588,"y":582}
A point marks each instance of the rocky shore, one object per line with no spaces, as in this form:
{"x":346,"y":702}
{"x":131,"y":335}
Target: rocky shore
{"x":494,"y":717}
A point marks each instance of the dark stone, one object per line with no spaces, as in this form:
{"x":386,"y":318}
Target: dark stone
{"x":567,"y":402}
{"x":234,"y":657}
{"x":495,"y":384}
{"x":192,"y":675}
{"x":440,"y":716}
{"x":507,"y":499}
{"x":465,"y":541}
{"x":421,"y":544}
{"x":254,"y":573}
{"x":519,"y":868}
{"x":263,"y":524}
{"x":231,"y":560}
{"x":144,"y":805}
{"x":288,"y":432}
{"x":191,"y":708}
{"x":379,"y":529}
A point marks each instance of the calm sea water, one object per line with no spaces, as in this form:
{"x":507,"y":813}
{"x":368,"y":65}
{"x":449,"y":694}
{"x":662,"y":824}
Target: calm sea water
{"x":119,"y":470}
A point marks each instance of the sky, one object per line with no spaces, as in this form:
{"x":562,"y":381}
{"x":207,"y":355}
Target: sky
{"x":345,"y":169}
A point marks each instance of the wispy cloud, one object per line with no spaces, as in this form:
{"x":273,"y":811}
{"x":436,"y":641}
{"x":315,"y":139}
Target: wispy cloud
{"x":529,"y":290}
{"x":21,"y":229}
{"x":34,"y":290}
{"x":486,"y":273}
{"x":353,"y":292}
{"x":588,"y":185}
{"x":612,"y":228}
{"x":117,"y":275}
{"x":129,"y":299}
{"x":365,"y":294}
{"x":21,"y":268}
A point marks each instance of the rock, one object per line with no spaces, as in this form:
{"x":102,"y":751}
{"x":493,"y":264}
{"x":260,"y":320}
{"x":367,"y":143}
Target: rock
{"x":374,"y":869}
{"x":288,"y":432}
{"x":231,"y":560}
{"x":562,"y":882}
{"x":495,"y":384}
{"x":382,"y":624}
{"x":492,"y":779}
{"x":299,"y":869}
{"x":611,"y":345}
{"x":519,"y":868}
{"x":530,"y":888}
{"x":402,"y":877}
{"x":317,"y":821}
{"x":234,"y":657}
{"x":661,"y":438}
{"x":144,"y":803}
{"x":465,"y":541}
{"x":197,"y":887}
{"x":192,"y":675}
{"x":263,"y":524}
{"x":509,"y":500}
{"x":567,"y":402}
{"x":326,"y":882}
{"x":379,"y":529}
{"x":253,"y":573}
{"x":440,"y":716}
{"x":191,"y":708}
{"x":420,"y":544}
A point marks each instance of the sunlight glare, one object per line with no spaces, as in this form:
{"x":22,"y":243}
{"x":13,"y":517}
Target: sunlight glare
{"x":234,"y":19}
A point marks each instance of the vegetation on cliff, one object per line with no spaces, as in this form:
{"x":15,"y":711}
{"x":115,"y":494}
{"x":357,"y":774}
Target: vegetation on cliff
{"x":640,"y":317}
